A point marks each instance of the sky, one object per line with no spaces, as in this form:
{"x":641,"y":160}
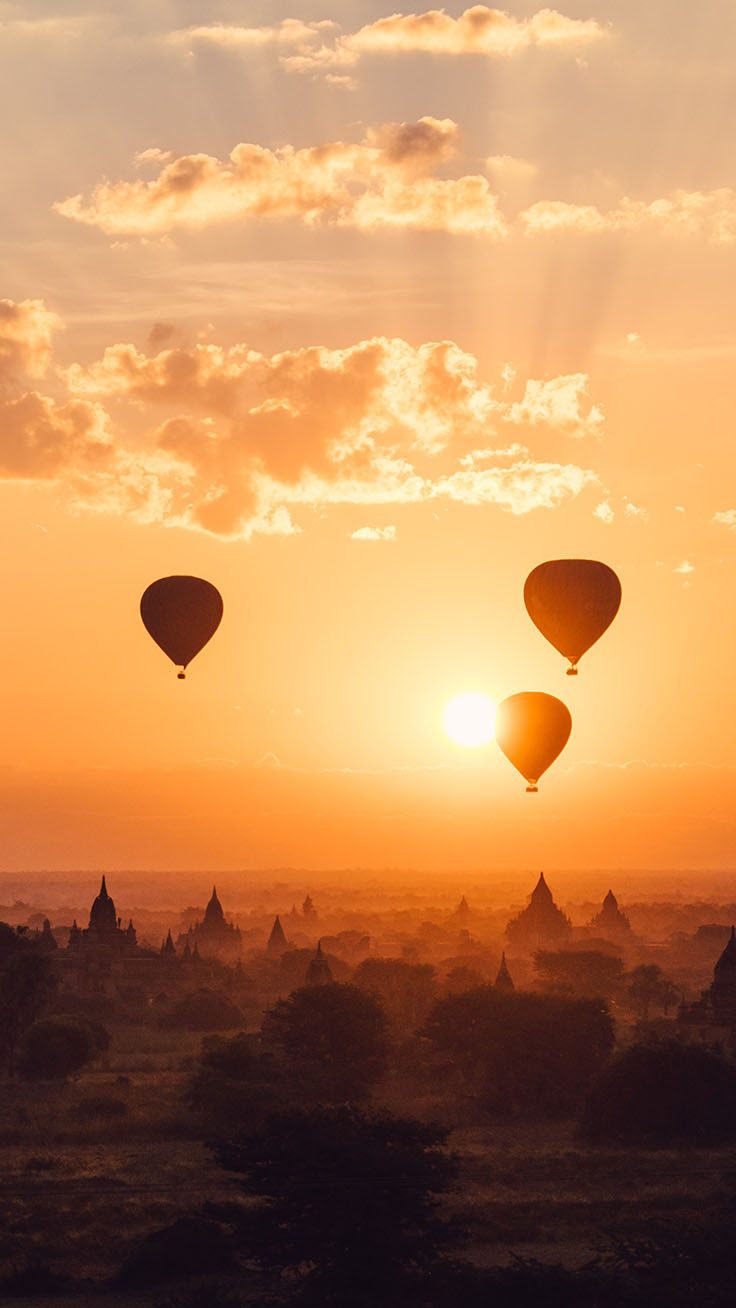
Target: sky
{"x":360,"y":315}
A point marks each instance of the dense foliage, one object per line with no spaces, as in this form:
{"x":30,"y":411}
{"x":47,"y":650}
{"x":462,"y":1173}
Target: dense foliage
{"x":521,"y":1053}
{"x":579,"y":972}
{"x":661,"y":1093}
{"x":27,"y":985}
{"x":332,"y":1040}
{"x":56,"y":1047}
{"x":351,"y":1213}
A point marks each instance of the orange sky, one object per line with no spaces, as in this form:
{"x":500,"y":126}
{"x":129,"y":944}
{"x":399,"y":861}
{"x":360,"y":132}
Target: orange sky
{"x":360,"y":316}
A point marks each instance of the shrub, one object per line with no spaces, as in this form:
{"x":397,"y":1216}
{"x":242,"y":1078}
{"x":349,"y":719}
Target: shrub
{"x":55,"y":1047}
{"x":191,"y":1246}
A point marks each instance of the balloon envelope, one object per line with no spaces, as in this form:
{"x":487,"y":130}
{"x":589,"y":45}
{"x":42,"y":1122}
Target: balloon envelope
{"x":532,"y":729}
{"x":572,"y":602}
{"x":181,"y":614}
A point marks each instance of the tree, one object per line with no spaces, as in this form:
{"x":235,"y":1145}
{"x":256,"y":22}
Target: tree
{"x":56,"y":1047}
{"x":407,"y":990}
{"x":233,"y":1084}
{"x":348,"y":1204}
{"x":648,"y":985}
{"x":579,"y":972}
{"x":662,"y":1092}
{"x":332,"y":1039}
{"x":520,"y":1052}
{"x":27,"y":984}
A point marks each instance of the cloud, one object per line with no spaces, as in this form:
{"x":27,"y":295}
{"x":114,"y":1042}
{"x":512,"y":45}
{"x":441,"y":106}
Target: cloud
{"x":374,"y":533}
{"x":710,"y":214}
{"x":478,"y":30}
{"x":234,"y":442}
{"x":558,"y":403}
{"x":727,"y":518}
{"x":320,"y":48}
{"x":635,"y":511}
{"x":604,"y":512}
{"x":684,"y":569}
{"x":26,"y":328}
{"x":383,"y":181}
{"x":40,"y":439}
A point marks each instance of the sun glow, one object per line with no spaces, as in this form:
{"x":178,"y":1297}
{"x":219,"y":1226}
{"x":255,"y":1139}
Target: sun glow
{"x":469,"y":718}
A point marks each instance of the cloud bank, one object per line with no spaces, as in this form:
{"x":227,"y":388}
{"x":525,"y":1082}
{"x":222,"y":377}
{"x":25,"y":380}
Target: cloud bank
{"x":385,"y":180}
{"x":322,"y":49}
{"x":233,"y":441}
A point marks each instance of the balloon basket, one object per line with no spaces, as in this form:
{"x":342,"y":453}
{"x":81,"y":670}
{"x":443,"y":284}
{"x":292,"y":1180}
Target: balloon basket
{"x":571,"y":672}
{"x":181,"y":676}
{"x":532,"y":789}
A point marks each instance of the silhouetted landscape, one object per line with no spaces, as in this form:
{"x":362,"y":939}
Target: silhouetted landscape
{"x":311,"y":1097}
{"x":368,"y":537}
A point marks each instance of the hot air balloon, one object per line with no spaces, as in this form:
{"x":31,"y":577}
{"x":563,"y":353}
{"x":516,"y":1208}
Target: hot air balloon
{"x":532,"y":729}
{"x":181,"y":614}
{"x":572,"y":601}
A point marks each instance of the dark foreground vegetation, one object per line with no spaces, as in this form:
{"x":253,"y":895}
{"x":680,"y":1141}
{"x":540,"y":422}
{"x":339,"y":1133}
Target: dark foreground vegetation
{"x":372,"y":1141}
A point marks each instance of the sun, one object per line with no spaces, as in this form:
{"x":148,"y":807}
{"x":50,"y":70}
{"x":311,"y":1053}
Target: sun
{"x":469,"y":719}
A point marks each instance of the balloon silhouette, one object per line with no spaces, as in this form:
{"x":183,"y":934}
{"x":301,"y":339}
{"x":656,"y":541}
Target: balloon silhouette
{"x":572,"y":602}
{"x":532,"y":729}
{"x":181,"y":614}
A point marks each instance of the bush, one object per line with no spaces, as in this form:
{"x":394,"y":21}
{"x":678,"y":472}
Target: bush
{"x":191,"y":1246}
{"x":55,"y":1047}
{"x":662,"y":1093}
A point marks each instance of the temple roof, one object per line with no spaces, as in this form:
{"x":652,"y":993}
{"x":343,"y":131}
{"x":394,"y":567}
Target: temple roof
{"x":102,"y":913}
{"x":503,"y":980}
{"x":726,"y":965}
{"x":277,"y":939}
{"x":541,"y":891}
{"x":213,"y":912}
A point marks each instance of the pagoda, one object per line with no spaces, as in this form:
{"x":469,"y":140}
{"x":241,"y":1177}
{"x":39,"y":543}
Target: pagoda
{"x":610,"y":923}
{"x":541,"y":923}
{"x":319,"y":972}
{"x":214,"y":936}
{"x":717,"y":1004}
{"x":503,"y":980}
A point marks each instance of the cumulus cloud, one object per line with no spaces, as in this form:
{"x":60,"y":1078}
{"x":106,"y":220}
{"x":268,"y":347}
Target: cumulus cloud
{"x":385,"y":180}
{"x":710,"y":214}
{"x":40,"y":439}
{"x":727,"y":518}
{"x":258,"y":437}
{"x":321,"y":48}
{"x":235,"y":442}
{"x":26,"y":328}
{"x":374,"y":533}
{"x":559,"y":403}
{"x":685,"y":568}
{"x":604,"y":512}
{"x":478,"y":30}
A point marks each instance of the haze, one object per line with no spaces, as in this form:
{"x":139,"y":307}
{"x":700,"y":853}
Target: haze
{"x":360,"y":317}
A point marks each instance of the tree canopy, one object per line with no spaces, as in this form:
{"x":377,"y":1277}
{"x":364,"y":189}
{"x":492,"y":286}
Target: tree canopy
{"x":351,"y":1211}
{"x":521,"y":1052}
{"x":333,"y":1039}
{"x":662,"y":1092}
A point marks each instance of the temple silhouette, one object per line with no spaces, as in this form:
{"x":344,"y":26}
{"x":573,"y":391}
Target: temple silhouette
{"x":541,"y":923}
{"x":717,"y":1005}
